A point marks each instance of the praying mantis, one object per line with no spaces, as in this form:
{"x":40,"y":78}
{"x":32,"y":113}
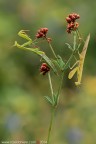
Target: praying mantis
{"x":79,"y":68}
{"x":29,"y":42}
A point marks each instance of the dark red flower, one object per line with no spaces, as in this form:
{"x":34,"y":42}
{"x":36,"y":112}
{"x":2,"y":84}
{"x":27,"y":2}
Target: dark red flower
{"x":44,"y":68}
{"x":72,"y":24}
{"x":41,"y":33}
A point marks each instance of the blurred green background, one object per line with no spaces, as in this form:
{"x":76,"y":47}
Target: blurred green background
{"x":24,"y":113}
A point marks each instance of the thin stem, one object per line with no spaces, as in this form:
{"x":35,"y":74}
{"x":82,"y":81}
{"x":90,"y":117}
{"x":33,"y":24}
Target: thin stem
{"x":74,"y":42}
{"x":69,"y":60}
{"x":50,"y":126}
{"x":50,"y":82}
{"x":60,"y":86}
{"x":52,"y":50}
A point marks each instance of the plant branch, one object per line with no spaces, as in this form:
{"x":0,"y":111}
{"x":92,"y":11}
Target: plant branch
{"x":52,"y":50}
{"x":74,"y":42}
{"x":50,"y":82}
{"x":50,"y":126}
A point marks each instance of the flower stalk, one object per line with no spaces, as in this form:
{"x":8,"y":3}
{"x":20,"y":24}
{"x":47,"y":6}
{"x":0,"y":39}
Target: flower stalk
{"x":52,"y":50}
{"x":50,"y":83}
{"x":51,"y":123}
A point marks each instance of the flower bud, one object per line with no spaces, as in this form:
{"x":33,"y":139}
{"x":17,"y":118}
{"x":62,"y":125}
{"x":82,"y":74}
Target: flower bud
{"x":44,"y":68}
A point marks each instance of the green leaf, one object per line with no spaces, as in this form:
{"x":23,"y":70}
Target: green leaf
{"x":49,"y":99}
{"x":55,"y":96}
{"x":60,"y":62}
{"x":53,"y":101}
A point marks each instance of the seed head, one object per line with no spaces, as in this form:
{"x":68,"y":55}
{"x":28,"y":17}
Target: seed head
{"x":72,"y":24}
{"x":41,"y":33}
{"x":44,"y":68}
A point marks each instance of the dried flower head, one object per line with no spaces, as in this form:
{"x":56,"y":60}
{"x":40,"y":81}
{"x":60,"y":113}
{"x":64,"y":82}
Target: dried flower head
{"x":72,"y":24}
{"x":41,"y":33}
{"x":44,"y":68}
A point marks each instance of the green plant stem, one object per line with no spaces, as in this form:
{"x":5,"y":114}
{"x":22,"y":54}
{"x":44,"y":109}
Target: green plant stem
{"x":60,"y":86}
{"x":74,"y":42}
{"x":52,"y":50}
{"x":50,"y":82}
{"x":51,"y":122}
{"x":69,"y":60}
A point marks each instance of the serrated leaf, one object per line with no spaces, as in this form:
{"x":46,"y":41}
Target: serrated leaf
{"x":49,"y":99}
